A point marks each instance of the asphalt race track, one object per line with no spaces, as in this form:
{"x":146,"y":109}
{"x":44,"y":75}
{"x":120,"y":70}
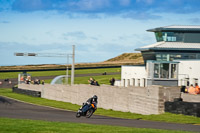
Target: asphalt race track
{"x":15,"y":109}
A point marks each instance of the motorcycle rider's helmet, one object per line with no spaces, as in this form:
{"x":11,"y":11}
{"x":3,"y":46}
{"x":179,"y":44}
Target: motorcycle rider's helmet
{"x":95,"y":97}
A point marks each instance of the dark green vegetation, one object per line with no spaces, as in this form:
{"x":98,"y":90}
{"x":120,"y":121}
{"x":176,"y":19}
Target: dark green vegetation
{"x":36,"y":126}
{"x":166,"y":117}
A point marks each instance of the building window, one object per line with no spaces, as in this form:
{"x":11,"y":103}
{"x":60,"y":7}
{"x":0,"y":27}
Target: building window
{"x":166,"y":36}
{"x":163,"y":71}
{"x":198,"y":56}
{"x":159,"y":36}
{"x":192,"y":56}
{"x":173,"y":70}
{"x":156,"y":70}
{"x":158,"y":57}
{"x":162,"y":57}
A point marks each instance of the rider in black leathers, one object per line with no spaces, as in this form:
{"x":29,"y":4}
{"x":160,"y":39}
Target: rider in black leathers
{"x":92,"y":100}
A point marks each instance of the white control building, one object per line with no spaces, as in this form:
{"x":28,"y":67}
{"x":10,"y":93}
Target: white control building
{"x":174,"y":60}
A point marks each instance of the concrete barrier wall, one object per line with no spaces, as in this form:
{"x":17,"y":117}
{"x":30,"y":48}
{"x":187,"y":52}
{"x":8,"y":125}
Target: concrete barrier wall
{"x":170,"y":93}
{"x":141,"y":100}
{"x":190,"y":97}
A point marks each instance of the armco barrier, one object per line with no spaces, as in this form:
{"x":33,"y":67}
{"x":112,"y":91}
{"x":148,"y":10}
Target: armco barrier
{"x":181,"y":107}
{"x":27,"y":92}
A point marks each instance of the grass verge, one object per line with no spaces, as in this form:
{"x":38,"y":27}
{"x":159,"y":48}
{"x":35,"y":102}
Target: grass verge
{"x":166,"y":117}
{"x":37,"y":126}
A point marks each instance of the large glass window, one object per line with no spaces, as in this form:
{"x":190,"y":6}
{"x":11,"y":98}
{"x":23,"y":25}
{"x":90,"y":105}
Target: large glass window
{"x":176,"y":56}
{"x":159,"y":36}
{"x":158,"y":57}
{"x":192,"y":56}
{"x":198,"y":56}
{"x":169,"y":36}
{"x":165,"y":70}
{"x":162,"y":57}
{"x":177,"y":37}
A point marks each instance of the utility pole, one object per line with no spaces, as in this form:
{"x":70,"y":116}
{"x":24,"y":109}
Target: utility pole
{"x":67,"y":74}
{"x":73,"y":62}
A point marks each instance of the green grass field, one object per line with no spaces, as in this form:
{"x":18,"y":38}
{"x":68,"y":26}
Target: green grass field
{"x":103,"y":79}
{"x":37,"y":126}
{"x":4,"y":75}
{"x":166,"y":117}
{"x":20,"y":126}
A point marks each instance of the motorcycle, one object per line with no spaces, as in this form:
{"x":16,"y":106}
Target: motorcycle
{"x":86,"y":110}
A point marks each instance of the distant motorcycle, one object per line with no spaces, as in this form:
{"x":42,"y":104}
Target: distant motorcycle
{"x":86,"y":110}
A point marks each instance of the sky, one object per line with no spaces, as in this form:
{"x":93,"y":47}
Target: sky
{"x":99,"y":29}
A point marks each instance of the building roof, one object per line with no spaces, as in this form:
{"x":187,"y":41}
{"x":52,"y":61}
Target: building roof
{"x":183,"y":28}
{"x":171,"y":46}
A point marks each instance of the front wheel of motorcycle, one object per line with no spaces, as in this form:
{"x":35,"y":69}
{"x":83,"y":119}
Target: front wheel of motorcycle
{"x":78,"y":115}
{"x":89,"y":113}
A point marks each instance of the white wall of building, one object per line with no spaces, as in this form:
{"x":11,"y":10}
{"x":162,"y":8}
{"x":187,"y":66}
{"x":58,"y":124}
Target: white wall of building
{"x":133,"y":76}
{"x":189,"y":70}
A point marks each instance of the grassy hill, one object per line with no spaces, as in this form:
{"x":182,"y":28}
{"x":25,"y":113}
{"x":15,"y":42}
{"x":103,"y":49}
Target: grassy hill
{"x":123,"y":59}
{"x":135,"y":58}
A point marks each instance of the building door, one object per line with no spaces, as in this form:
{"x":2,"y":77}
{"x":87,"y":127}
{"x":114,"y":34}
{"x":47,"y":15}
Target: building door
{"x":144,"y":82}
{"x":124,"y":82}
{"x":128,"y":82}
{"x":139,"y":82}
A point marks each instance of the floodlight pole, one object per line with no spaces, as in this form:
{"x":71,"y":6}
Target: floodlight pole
{"x":73,"y":62}
{"x":56,"y":55}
